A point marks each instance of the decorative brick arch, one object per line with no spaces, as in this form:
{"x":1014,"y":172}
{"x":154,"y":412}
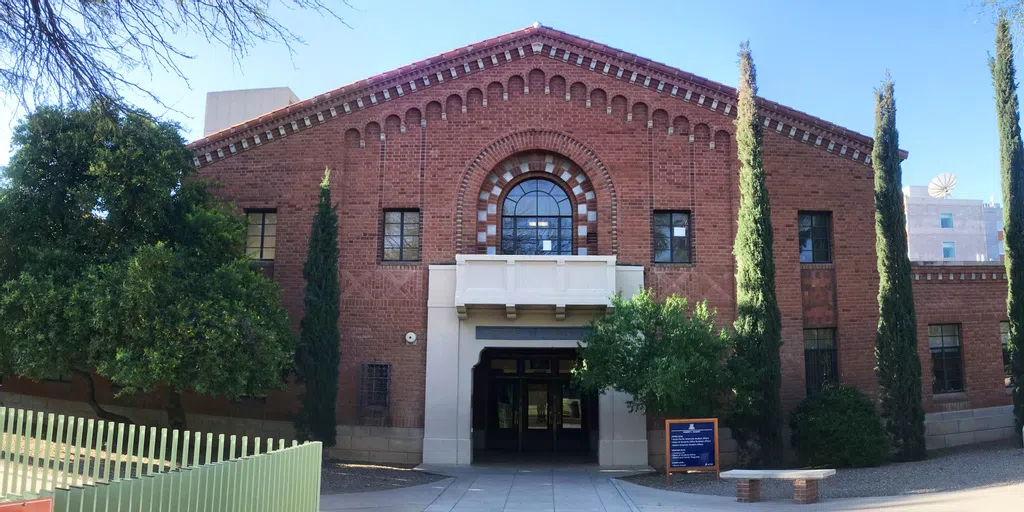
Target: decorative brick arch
{"x":560,"y":157}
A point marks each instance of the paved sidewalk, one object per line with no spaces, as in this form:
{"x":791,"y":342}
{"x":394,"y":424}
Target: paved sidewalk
{"x":585,"y":489}
{"x":499,"y":488}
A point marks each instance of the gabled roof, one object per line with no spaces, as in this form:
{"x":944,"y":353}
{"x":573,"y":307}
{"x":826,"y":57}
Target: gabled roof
{"x":495,"y":52}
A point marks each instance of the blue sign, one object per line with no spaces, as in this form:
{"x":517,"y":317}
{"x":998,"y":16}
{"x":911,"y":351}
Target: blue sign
{"x":692,"y":445}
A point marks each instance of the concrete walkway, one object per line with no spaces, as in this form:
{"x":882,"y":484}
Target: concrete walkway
{"x":585,"y":489}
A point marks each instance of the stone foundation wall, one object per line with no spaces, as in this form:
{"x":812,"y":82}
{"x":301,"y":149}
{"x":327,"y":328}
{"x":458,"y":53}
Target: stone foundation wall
{"x":956,"y":428}
{"x":391,"y":445}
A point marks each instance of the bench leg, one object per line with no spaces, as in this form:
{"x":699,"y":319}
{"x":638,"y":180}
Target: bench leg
{"x":805,"y":492}
{"x":748,"y":491}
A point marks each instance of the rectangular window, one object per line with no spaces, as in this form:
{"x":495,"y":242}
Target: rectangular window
{"x":1004,"y":338}
{"x":815,"y":237}
{"x":946,"y":220}
{"x":375,"y":394}
{"x":947,"y":358}
{"x":261,"y":241}
{"x":401,"y":235}
{"x":672,"y":237}
{"x":821,"y":359}
{"x":948,"y":250}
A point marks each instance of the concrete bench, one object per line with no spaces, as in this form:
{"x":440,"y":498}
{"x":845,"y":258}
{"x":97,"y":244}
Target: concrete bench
{"x":805,"y":482}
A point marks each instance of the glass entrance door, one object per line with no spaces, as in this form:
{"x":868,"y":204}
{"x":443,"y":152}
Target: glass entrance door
{"x":531,"y":404}
{"x":538,"y":429}
{"x":571,"y":433}
{"x":503,"y":423}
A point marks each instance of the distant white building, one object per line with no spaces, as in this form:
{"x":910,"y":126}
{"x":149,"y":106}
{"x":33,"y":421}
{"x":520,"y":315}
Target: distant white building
{"x":225,"y":109}
{"x":994,"y":230}
{"x":951,"y":229}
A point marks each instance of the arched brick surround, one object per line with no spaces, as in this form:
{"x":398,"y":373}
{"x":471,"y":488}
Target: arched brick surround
{"x":536,"y":164}
{"x":564,"y":159}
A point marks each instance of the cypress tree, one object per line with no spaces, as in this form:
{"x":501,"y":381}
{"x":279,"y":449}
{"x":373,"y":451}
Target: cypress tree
{"x":898,"y":366}
{"x":318,"y":353}
{"x":758,"y":321}
{"x":1011,"y":165}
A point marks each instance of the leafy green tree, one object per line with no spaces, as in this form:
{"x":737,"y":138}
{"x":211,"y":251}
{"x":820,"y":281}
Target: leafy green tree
{"x":898,"y":366}
{"x":318,"y":354}
{"x":671,"y":361}
{"x":757,"y":416}
{"x":178,"y":321}
{"x":115,"y":260}
{"x":60,"y":217}
{"x":1012,"y":171}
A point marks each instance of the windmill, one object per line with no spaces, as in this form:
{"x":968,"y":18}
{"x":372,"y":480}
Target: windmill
{"x":942,"y":185}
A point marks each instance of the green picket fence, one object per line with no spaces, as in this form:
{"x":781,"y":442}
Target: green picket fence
{"x":92,"y":465}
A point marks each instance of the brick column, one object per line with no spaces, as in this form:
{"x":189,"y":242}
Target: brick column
{"x":748,"y":491}
{"x":805,"y":491}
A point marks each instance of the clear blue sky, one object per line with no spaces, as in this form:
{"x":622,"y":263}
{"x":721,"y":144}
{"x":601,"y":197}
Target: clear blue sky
{"x":824,"y":58}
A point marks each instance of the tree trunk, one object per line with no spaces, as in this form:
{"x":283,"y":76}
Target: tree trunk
{"x":175,"y":411}
{"x":102,"y":413}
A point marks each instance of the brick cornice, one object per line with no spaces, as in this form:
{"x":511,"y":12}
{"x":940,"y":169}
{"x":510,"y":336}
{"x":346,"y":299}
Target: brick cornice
{"x":532,"y":41}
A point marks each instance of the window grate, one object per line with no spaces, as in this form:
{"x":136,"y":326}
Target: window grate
{"x":375,"y":394}
{"x":821,"y":359}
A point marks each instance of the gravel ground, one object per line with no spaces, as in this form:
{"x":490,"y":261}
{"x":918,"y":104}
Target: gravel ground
{"x":340,"y":477}
{"x":983,"y":465}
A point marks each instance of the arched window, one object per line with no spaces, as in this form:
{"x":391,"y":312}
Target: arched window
{"x":536,"y":218}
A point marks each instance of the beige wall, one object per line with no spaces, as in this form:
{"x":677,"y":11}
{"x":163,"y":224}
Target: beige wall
{"x":225,"y":109}
{"x":925,"y":235}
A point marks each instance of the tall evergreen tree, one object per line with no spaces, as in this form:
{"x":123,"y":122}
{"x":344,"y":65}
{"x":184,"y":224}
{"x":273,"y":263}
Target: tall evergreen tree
{"x":319,"y":353}
{"x":1012,"y":170}
{"x":898,"y":366}
{"x":757,"y":414}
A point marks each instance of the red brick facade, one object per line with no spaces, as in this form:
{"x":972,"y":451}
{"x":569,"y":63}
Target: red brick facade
{"x":625,"y":137}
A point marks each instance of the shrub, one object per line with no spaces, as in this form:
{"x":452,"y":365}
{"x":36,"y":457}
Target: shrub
{"x":838,"y":427}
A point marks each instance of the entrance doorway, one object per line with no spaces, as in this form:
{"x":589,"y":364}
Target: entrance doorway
{"x":524,"y":402}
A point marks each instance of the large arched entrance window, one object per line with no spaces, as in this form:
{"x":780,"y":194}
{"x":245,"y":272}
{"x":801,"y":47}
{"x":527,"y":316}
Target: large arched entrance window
{"x":536,"y":218}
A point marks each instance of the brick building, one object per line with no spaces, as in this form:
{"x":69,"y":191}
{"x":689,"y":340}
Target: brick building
{"x":491,"y":199}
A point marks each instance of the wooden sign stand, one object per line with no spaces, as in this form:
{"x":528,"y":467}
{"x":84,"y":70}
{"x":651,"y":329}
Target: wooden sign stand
{"x":668,"y":449}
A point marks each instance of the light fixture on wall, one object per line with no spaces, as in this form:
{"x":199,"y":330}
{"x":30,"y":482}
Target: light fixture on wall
{"x":410,"y":338}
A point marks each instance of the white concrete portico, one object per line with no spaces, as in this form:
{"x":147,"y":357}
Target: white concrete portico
{"x":518,"y":302}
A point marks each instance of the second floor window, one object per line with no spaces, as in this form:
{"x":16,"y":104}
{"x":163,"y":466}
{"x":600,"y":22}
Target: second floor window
{"x":946,"y":220}
{"x":536,"y":218}
{"x":672,"y":237}
{"x":815,"y":237}
{"x":947,"y":358}
{"x":261,"y":239}
{"x":948,"y":250}
{"x":1004,"y":338}
{"x":401,"y":235}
